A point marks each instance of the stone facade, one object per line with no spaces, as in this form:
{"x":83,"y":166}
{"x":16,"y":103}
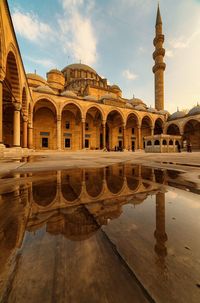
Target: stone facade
{"x":75,"y":108}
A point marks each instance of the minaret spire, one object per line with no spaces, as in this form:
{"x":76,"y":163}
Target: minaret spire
{"x":159,"y":66}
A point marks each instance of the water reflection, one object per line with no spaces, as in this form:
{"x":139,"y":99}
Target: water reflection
{"x":75,"y":205}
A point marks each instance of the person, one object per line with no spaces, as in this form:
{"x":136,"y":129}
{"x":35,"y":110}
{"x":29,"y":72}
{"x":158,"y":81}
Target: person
{"x":179,"y":147}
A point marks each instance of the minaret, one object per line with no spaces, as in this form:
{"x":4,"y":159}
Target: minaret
{"x":159,"y":66}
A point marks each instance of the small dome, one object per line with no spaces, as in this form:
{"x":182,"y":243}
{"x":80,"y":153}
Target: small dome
{"x":55,"y":71}
{"x":194,"y":111}
{"x":79,"y":66}
{"x":35,"y":80}
{"x":90,"y":98}
{"x":109,"y":96}
{"x":68,"y":93}
{"x":177,"y":115}
{"x":163,"y":112}
{"x":140,"y":107}
{"x":136,"y":102}
{"x":116,"y":87}
{"x":44,"y":89}
{"x":129,"y":105}
{"x":152,"y":110}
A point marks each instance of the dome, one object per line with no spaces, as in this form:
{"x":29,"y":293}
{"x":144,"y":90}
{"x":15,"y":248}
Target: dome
{"x":194,"y":111}
{"x":35,"y":79}
{"x":68,"y":93}
{"x":79,"y":66}
{"x":90,"y":98}
{"x":163,"y":112}
{"x":116,"y":87}
{"x":140,"y":107}
{"x":129,"y":105}
{"x":177,"y":115}
{"x":109,"y":96}
{"x":44,"y":89}
{"x":136,"y":101}
{"x":152,"y":110}
{"x":55,"y":71}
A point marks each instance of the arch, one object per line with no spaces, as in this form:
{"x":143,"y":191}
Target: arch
{"x":146,"y":126}
{"x":103,"y":115}
{"x":158,"y":126}
{"x":170,"y":142}
{"x":47,"y":98}
{"x":44,"y":125}
{"x":132,"y":123}
{"x":114,"y":130}
{"x":71,"y":127}
{"x":94,"y":130}
{"x":173,"y":129}
{"x":74,"y":103}
{"x":149,"y":143}
{"x":156,"y":142}
{"x":118,"y":111}
{"x":164,"y":142}
{"x":24,"y":101}
{"x":12,"y":75}
{"x":192,"y":133}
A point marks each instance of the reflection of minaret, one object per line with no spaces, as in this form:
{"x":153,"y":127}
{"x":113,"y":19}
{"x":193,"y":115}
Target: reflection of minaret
{"x":159,"y":66}
{"x":160,"y":234}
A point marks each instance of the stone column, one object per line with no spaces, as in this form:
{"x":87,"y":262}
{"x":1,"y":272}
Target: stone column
{"x":25,"y":132}
{"x":1,"y":112}
{"x":83,"y":133}
{"x":139,"y":136}
{"x":124,"y":136}
{"x":30,"y":136}
{"x":16,"y":124}
{"x":59,"y":132}
{"x":152,"y":131}
{"x":104,"y":133}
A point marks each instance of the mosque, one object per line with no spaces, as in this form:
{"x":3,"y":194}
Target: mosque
{"x":75,"y":108}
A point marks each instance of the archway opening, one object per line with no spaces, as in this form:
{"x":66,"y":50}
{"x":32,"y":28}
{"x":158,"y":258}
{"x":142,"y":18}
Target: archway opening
{"x":145,"y":129}
{"x":71,"y":131}
{"x":44,"y":125}
{"x":131,"y":132}
{"x":173,"y":129}
{"x":71,"y":184}
{"x":93,"y":129}
{"x":192,"y":133}
{"x":114,"y":131}
{"x":158,"y":129}
{"x":94,"y":189}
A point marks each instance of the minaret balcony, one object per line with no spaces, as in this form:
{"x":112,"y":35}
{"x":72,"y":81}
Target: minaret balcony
{"x":159,"y":52}
{"x":159,"y":66}
{"x":158,"y":38}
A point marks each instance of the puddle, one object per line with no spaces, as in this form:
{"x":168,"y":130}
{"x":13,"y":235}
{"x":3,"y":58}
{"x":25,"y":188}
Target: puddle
{"x":123,"y":233}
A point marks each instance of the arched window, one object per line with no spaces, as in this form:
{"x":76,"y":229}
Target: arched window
{"x":170,"y":142}
{"x":157,"y":142}
{"x":177,"y":143}
{"x":164,"y":142}
{"x":149,"y":143}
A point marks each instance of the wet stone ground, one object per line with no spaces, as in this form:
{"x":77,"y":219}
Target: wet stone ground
{"x":124,"y":233}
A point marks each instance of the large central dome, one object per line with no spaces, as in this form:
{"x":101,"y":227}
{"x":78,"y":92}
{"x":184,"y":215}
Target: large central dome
{"x":79,"y":66}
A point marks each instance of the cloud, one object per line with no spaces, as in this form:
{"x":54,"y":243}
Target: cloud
{"x":129,"y":75}
{"x":169,"y":53}
{"x":30,"y":27}
{"x":44,"y":62}
{"x":77,"y":31}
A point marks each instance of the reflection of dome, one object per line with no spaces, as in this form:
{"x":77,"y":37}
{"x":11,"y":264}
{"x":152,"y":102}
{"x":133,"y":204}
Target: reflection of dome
{"x":90,"y":98}
{"x":194,"y":111}
{"x":79,"y":66}
{"x":177,"y":115}
{"x":44,"y":89}
{"x":68,"y":93}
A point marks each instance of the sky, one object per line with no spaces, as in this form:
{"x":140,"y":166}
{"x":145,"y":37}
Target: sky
{"x":115,"y":37}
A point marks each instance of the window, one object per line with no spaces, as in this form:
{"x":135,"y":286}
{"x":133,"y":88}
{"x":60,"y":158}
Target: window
{"x":157,"y":142}
{"x":87,"y":143}
{"x":67,"y":143}
{"x":148,"y":143}
{"x":120,"y":130}
{"x":164,"y":142}
{"x":133,"y":131}
{"x":45,"y":142}
{"x":67,"y":125}
{"x":170,"y":142}
{"x":86,"y":126}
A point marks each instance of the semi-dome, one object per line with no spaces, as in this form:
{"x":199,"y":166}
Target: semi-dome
{"x":68,"y":93}
{"x":177,"y":115}
{"x":194,"y":111}
{"x":79,"y":66}
{"x":44,"y":89}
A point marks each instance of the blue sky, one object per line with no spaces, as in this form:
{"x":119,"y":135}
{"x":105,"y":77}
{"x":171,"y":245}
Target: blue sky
{"x":115,"y":38}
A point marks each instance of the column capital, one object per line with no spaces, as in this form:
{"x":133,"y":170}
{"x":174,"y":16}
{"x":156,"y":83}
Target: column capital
{"x":58,"y":118}
{"x":83,"y":120}
{"x":104,"y":123}
{"x":25,"y":118}
{"x":17,"y":106}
